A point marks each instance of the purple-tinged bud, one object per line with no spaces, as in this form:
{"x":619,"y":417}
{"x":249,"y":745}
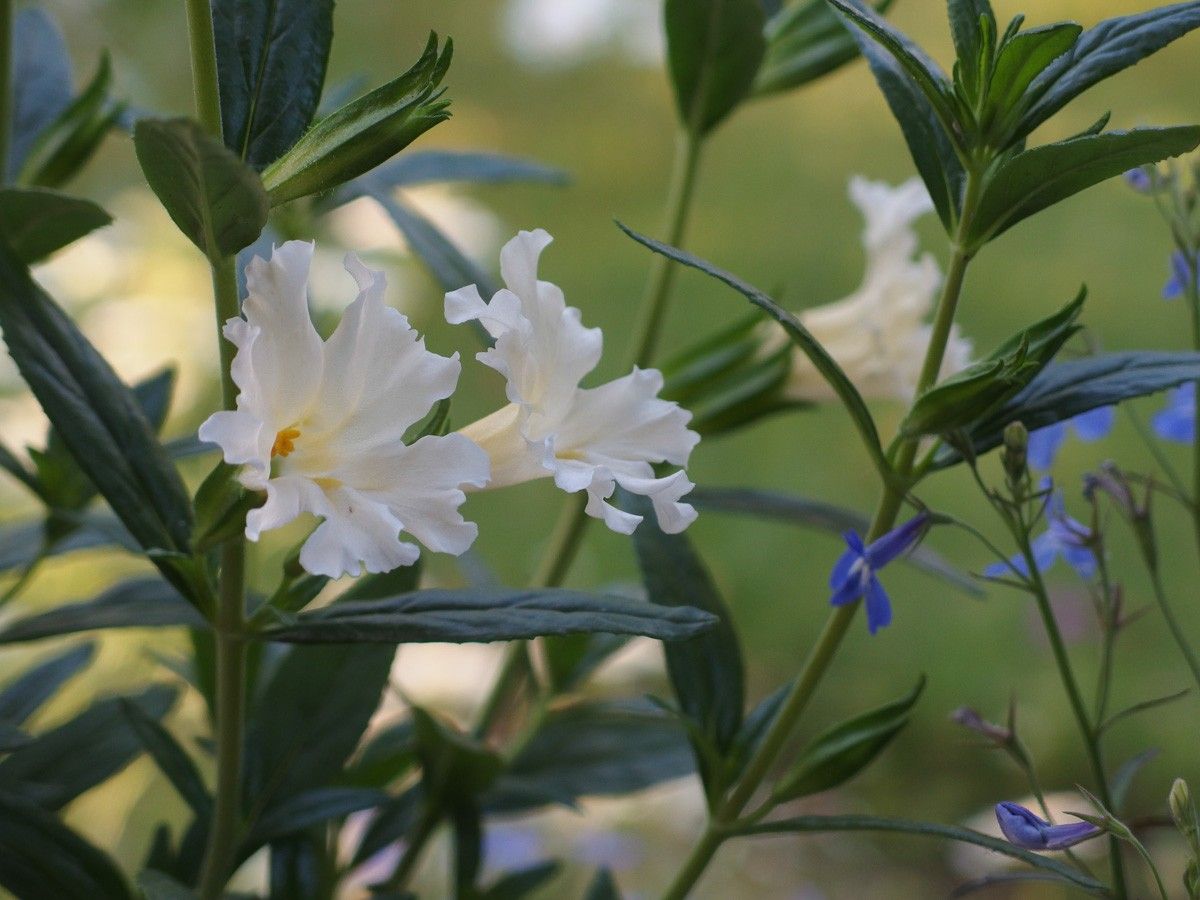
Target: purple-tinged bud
{"x":971,"y":720}
{"x":1024,"y":829}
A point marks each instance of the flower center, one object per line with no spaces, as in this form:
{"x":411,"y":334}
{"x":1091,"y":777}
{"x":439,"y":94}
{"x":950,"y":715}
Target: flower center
{"x":285,"y":442}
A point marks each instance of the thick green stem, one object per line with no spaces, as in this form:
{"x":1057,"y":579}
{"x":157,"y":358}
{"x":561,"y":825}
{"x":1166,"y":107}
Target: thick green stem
{"x":6,"y":86}
{"x":204,"y":66}
{"x":1087,"y":730}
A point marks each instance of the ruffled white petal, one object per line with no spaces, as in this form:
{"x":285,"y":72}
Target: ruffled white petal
{"x":239,"y":435}
{"x":358,"y":533}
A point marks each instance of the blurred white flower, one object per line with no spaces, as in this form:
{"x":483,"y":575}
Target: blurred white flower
{"x":586,"y":438}
{"x":563,"y":33}
{"x":319,"y":425}
{"x":879,"y":334}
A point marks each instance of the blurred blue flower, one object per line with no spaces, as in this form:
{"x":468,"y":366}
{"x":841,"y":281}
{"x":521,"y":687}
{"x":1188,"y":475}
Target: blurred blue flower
{"x":1181,"y":275}
{"x":1023,"y":829}
{"x":1063,"y":537}
{"x":1089,"y":426}
{"x":853,"y":575}
{"x":1177,"y":420}
{"x":1138,"y":179}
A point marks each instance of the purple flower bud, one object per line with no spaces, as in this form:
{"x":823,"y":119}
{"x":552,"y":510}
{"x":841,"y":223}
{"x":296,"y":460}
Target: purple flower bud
{"x":971,"y":719}
{"x":1023,"y":829}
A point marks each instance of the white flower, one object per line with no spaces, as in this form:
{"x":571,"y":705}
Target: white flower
{"x":879,"y":334}
{"x":589,"y":439}
{"x":319,"y":425}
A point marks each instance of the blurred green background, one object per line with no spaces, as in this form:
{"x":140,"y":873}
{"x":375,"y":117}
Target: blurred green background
{"x":772,"y":207}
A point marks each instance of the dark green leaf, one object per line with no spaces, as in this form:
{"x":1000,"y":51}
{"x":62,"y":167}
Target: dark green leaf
{"x":486,"y":614}
{"x":171,"y":758}
{"x":928,"y":141}
{"x":707,"y":672}
{"x":20,"y":471}
{"x":21,"y":543}
{"x":388,"y":756}
{"x":41,"y":857}
{"x":1039,"y":178}
{"x":271,"y":60}
{"x":822,"y":824}
{"x":1122,"y":780}
{"x":1104,"y":50}
{"x":364,"y":133}
{"x":435,"y":166}
{"x":295,"y":867}
{"x":1066,"y":389}
{"x":393,"y":821}
{"x":138,"y":603}
{"x":12,"y":737}
{"x":97,"y":417}
{"x":1019,"y":61}
{"x":570,"y":660}
{"x":714,"y":49}
{"x":805,"y":41}
{"x":28,"y":692}
{"x":221,"y":506}
{"x":467,"y":829}
{"x":965,"y":17}
{"x":158,"y":886}
{"x":37,"y":221}
{"x":302,"y":811}
{"x":593,"y":749}
{"x":846,"y":749}
{"x":216,"y":199}
{"x":758,"y":722}
{"x":522,"y":883}
{"x":801,"y":337}
{"x":455,"y":766}
{"x":78,"y":755}
{"x":41,"y":81}
{"x":603,"y":887}
{"x":819,"y":514}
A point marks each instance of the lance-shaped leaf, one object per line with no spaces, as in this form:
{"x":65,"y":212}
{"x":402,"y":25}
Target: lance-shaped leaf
{"x":26,"y":695}
{"x":1066,"y":389}
{"x":97,"y":417}
{"x":714,"y":49}
{"x":12,"y":737}
{"x":923,"y":128}
{"x":41,"y":857}
{"x":801,"y":337}
{"x":522,"y":884}
{"x":967,"y":17}
{"x":1020,"y":60}
{"x":455,"y":766}
{"x":217,"y":201}
{"x":1033,"y":180}
{"x":825,"y":824}
{"x":156,"y":885}
{"x":138,"y":603}
{"x":303,"y":811}
{"x":81,"y":753}
{"x":271,"y":60}
{"x":971,"y":395}
{"x":846,"y":749}
{"x":707,"y":672}
{"x":1104,"y":50}
{"x":41,"y":81}
{"x":36,"y":222}
{"x":476,"y":615}
{"x":24,"y":542}
{"x":172,"y":760}
{"x":439,"y":166}
{"x":805,"y":41}
{"x":364,"y":133}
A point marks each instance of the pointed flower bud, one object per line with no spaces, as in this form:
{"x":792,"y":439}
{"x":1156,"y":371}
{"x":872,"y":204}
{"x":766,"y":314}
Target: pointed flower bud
{"x":1030,"y":832}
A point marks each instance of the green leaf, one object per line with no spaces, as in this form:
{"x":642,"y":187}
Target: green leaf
{"x":12,"y":737}
{"x":966,"y":19}
{"x":828,"y":824}
{"x":522,"y":883}
{"x":707,"y":672}
{"x":437,"y":166}
{"x":36,"y":222}
{"x":1122,"y":779}
{"x":300,"y":812}
{"x":765,"y":504}
{"x":271,"y":60}
{"x":1066,"y":389}
{"x":41,"y":857}
{"x":969,"y":396}
{"x":1104,"y":50}
{"x":41,"y":81}
{"x":26,"y":694}
{"x":1020,"y":60}
{"x":714,"y":49}
{"x":924,"y":131}
{"x":570,"y":660}
{"x":81,"y":753}
{"x":592,"y":749}
{"x":1033,"y":180}
{"x":171,"y":758}
{"x":455,"y":766}
{"x":138,"y":603}
{"x":23,"y":542}
{"x":804,"y":42}
{"x":846,"y":749}
{"x":65,"y":145}
{"x":603,"y":887}
{"x":221,"y":506}
{"x":466,"y":826}
{"x":364,"y":133}
{"x":159,"y":886}
{"x":217,"y":201}
{"x":801,"y":337}
{"x":97,"y":417}
{"x":386,"y":757}
{"x":472,"y":615}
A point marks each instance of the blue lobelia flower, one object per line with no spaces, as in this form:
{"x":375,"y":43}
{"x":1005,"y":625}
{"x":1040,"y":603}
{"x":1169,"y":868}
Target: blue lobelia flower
{"x":1089,"y":426}
{"x":1177,"y":420}
{"x":1023,"y":829}
{"x":1181,"y":275}
{"x":853,"y":575}
{"x":1063,"y":537}
{"x":1139,"y":180}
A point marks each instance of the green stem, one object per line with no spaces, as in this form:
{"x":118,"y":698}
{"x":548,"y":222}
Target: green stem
{"x":662,"y":272}
{"x":838,"y":623}
{"x":6,"y":87}
{"x":431,"y":815}
{"x":1193,"y":295}
{"x":1087,"y":731}
{"x":204,"y":66}
{"x":1160,"y":595}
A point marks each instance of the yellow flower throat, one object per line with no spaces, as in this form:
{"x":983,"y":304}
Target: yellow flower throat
{"x":285,"y":442}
